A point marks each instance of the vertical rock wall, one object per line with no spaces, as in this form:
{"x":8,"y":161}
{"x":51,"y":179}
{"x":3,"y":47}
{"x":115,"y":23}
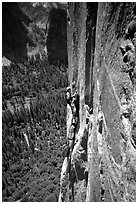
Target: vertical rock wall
{"x":102,"y":71}
{"x":114,"y":93}
{"x":57,"y":37}
{"x":14,"y":32}
{"x":74,"y":171}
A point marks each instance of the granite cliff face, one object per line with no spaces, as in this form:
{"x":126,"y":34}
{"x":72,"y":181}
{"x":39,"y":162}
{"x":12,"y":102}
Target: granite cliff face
{"x":101,"y":46}
{"x":101,"y":56}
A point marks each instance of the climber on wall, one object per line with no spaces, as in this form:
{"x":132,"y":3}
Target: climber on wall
{"x":68,"y":95}
{"x":75,"y":108}
{"x":71,"y":137}
{"x":75,"y":116}
{"x":87,"y":109}
{"x":89,"y":117}
{"x":73,"y":101}
{"x":129,"y":51}
{"x":100,"y":120}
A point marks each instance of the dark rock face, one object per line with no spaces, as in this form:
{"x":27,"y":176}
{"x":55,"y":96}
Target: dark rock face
{"x":57,"y":37}
{"x":90,"y":47}
{"x":29,"y":29}
{"x":14,"y":32}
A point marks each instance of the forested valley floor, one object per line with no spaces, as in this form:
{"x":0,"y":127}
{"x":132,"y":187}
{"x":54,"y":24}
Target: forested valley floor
{"x":33,"y":130}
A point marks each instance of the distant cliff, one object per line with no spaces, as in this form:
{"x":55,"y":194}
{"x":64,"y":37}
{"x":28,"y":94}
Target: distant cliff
{"x":14,"y":31}
{"x":29,"y":29}
{"x":101,"y":55}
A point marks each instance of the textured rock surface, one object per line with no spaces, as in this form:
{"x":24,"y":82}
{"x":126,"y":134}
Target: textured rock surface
{"x":114,"y":86}
{"x":103,"y":161}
